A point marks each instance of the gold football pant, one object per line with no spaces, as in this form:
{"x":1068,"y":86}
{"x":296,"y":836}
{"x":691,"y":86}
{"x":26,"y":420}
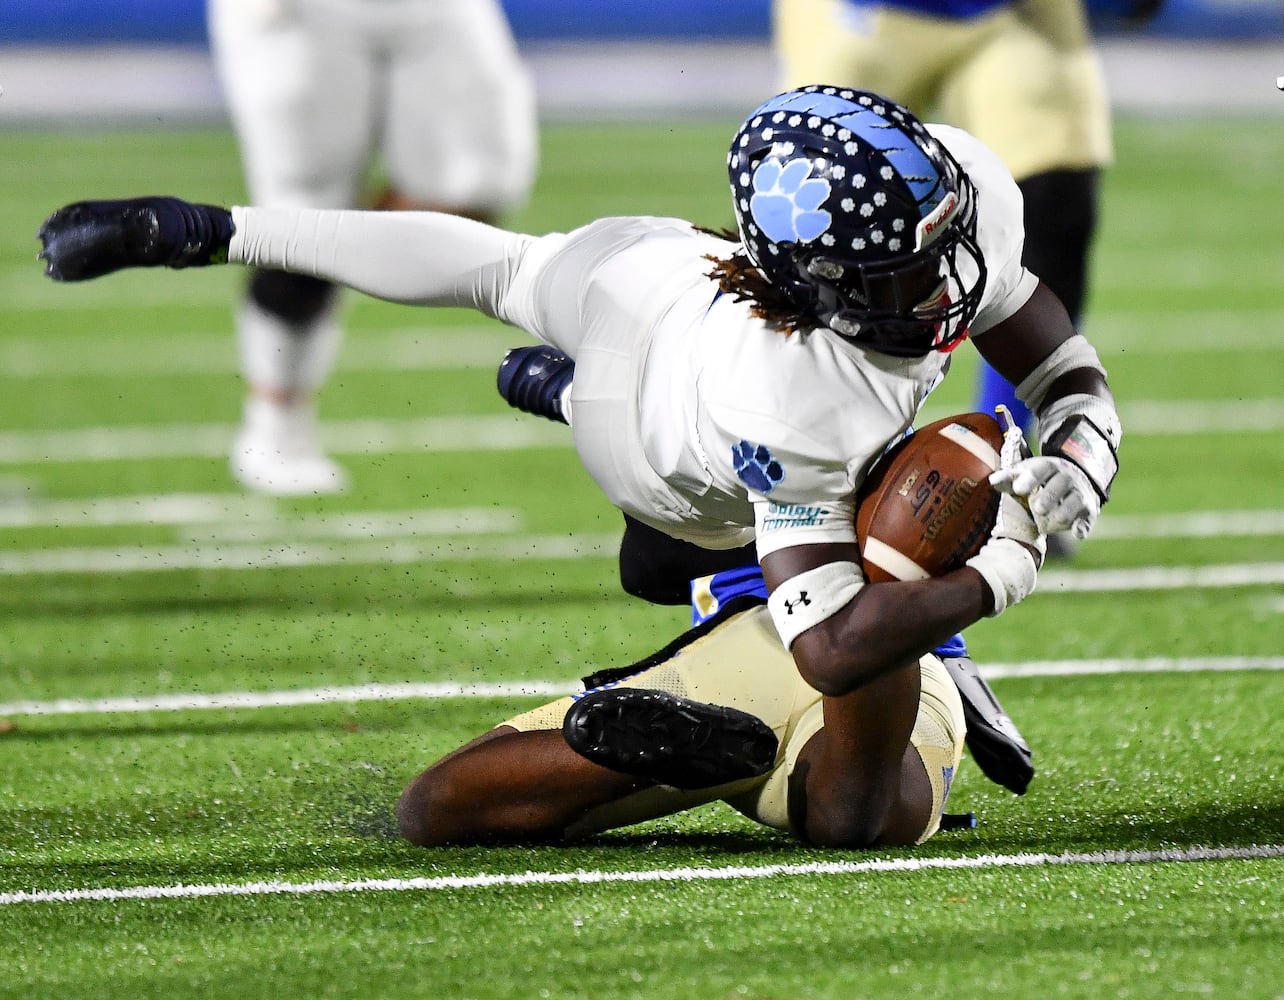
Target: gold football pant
{"x":741,"y":663}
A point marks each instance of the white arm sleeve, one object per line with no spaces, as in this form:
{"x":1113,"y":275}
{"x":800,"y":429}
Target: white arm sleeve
{"x":417,"y":258}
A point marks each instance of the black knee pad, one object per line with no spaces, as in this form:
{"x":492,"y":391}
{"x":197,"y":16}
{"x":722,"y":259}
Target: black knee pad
{"x":659,"y":569}
{"x":1060,"y":221}
{"x":295,"y":298}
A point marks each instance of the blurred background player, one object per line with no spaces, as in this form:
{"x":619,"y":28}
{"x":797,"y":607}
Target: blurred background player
{"x":430,"y":96}
{"x":1023,"y":77}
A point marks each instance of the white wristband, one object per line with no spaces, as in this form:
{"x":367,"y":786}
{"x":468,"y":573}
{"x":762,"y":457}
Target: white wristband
{"x":1008,"y":570}
{"x":809,"y":598}
{"x":1073,"y":353}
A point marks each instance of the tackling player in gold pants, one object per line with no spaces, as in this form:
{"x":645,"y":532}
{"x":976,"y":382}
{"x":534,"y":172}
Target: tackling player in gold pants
{"x":899,"y":739}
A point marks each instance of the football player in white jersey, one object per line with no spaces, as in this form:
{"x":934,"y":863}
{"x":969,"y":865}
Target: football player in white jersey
{"x":736,"y":388}
{"x":430,"y":93}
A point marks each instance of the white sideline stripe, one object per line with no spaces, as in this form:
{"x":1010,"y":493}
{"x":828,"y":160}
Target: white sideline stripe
{"x":286,"y":699}
{"x":439,"y":346}
{"x":243,"y":517}
{"x":694,"y":874}
{"x":1194,"y":524}
{"x":113,"y":511}
{"x":146,"y":508}
{"x":1097,"y":581}
{"x":220,"y":508}
{"x":396,"y":550}
{"x":512,"y":431}
{"x":1148,"y":665}
{"x":506,"y":432}
{"x":446,"y":689}
{"x":1168,"y":417}
{"x":149,"y":559}
{"x":411,"y":349}
{"x":367,"y":525}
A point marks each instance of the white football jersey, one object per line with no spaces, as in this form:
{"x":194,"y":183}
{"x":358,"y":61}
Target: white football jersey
{"x":692,"y":415}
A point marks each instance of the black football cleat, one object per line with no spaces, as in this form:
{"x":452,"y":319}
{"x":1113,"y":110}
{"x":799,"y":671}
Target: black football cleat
{"x":667,"y":739}
{"x":532,"y":379}
{"x":91,"y":238}
{"x":994,"y":741}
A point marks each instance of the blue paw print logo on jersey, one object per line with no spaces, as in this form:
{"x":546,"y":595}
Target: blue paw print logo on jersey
{"x":786,"y":202}
{"x":755,"y":466}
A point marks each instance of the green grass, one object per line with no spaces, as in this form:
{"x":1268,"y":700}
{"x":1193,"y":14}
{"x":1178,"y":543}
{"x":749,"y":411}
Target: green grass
{"x":1186,"y":310}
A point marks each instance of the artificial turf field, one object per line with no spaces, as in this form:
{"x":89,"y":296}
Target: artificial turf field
{"x":210,"y":701}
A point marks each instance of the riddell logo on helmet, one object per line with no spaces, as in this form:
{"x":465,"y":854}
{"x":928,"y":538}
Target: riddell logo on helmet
{"x":937,"y":222}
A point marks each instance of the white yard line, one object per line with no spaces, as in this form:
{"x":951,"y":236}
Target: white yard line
{"x":357,"y":525}
{"x":1097,"y":581}
{"x":426,"y":348}
{"x":115,"y":511}
{"x":235,"y":517}
{"x":240,"y":517}
{"x":285,"y":699}
{"x":221,"y":509}
{"x":1192,"y":524}
{"x":694,"y":874}
{"x":397,"y":550}
{"x":556,"y":688}
{"x":1168,"y":417}
{"x":392,"y":551}
{"x":503,"y":432}
{"x":1148,"y":665}
{"x":508,"y":432}
{"x":442,"y":347}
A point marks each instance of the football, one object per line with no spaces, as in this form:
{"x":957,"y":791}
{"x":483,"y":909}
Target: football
{"x":927,"y":505}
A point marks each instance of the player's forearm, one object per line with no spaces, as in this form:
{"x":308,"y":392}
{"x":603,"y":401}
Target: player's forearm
{"x":418,"y":258}
{"x":886,"y":627}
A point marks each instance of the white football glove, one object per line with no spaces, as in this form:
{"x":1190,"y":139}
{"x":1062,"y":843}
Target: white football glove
{"x":1060,"y":496}
{"x":1009,"y":562}
{"x":1066,"y":486}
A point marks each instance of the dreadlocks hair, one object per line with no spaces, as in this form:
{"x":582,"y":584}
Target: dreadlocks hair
{"x":738,"y":277}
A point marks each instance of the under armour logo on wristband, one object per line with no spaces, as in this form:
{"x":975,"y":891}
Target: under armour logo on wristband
{"x":800,"y":600}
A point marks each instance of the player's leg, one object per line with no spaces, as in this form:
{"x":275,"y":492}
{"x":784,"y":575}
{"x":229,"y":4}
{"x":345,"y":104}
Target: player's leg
{"x":507,"y":787}
{"x":858,"y":781}
{"x":522,"y":781}
{"x":653,"y":566}
{"x":879,"y":47}
{"x":300,"y":91}
{"x":659,"y":568}
{"x":870,"y":768}
{"x":1060,"y":223}
{"x":1036,"y":95}
{"x":875,"y":767}
{"x":461,"y":129}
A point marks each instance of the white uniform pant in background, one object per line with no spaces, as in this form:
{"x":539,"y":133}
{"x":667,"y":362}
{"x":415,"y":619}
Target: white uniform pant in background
{"x":435,"y":88}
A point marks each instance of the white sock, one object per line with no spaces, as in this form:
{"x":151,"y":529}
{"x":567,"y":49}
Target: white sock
{"x":279,"y":357}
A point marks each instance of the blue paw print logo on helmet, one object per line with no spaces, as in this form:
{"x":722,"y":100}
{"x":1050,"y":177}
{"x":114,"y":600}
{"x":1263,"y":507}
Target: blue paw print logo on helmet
{"x":756,"y":467}
{"x":786,"y":202}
